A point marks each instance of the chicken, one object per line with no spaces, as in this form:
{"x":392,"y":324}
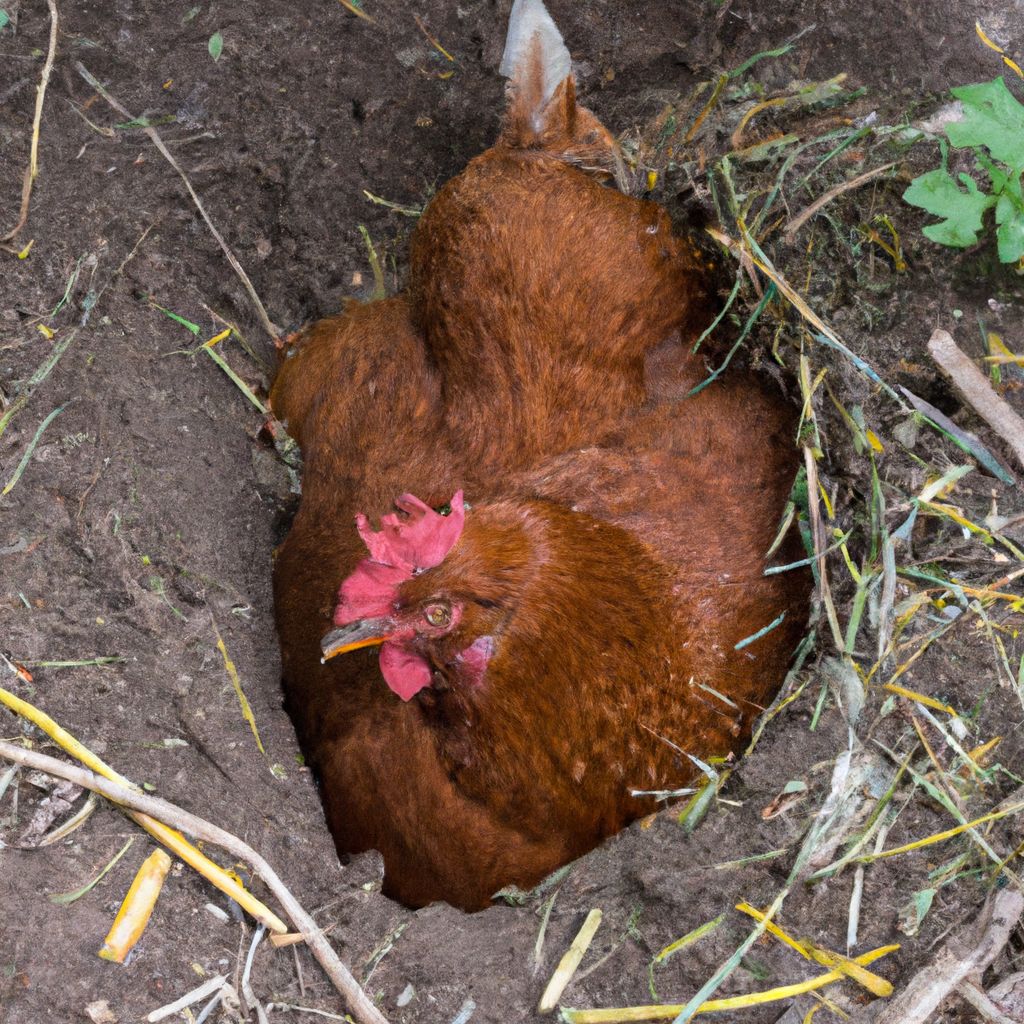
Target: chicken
{"x":564,"y":604}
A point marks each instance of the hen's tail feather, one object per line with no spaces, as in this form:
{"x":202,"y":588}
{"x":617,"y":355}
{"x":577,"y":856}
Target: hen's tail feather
{"x":535,"y":54}
{"x":542,"y":110}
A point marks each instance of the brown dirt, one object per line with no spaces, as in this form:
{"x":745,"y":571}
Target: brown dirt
{"x":149,"y":511}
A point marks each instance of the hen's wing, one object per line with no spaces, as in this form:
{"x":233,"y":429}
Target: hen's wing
{"x":703,"y":482}
{"x":353,"y":389}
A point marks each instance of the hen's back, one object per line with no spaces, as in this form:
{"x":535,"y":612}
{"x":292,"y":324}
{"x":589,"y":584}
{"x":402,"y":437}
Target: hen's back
{"x":537,"y":289}
{"x":702,"y":482}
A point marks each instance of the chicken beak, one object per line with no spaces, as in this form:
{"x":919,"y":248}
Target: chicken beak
{"x":364,"y":633}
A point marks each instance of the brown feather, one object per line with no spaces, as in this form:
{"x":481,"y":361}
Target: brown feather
{"x":539,"y":360}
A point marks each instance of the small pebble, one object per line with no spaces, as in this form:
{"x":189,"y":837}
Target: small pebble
{"x":216,"y":911}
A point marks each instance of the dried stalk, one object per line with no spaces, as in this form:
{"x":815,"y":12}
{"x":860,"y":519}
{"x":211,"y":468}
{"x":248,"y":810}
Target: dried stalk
{"x":569,"y":963}
{"x":33,"y":162}
{"x":154,"y":136}
{"x":361,"y":1006}
{"x":971,"y":383}
{"x":808,"y":212}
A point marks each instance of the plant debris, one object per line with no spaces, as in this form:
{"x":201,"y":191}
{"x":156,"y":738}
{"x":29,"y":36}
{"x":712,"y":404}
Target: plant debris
{"x":897,"y":719}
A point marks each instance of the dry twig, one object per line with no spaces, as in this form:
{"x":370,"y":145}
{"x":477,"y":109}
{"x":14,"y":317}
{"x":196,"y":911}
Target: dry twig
{"x":169,"y":837}
{"x":154,"y":136}
{"x":956,"y":962}
{"x":33,"y":162}
{"x":361,"y":1006}
{"x":808,"y":212}
{"x":971,"y":383}
{"x":979,"y":999}
{"x":201,"y":992}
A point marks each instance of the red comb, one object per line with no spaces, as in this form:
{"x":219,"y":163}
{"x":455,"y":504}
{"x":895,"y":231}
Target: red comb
{"x":397,"y":550}
{"x":418,"y":542}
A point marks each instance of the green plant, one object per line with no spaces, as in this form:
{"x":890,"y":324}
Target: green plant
{"x":993,"y":127}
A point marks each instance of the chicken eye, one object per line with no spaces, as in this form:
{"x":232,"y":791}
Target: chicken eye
{"x":438,"y":614}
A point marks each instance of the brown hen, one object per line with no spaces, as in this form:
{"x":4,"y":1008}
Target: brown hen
{"x":542,"y":667}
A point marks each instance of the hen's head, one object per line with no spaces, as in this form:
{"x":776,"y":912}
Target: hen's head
{"x":433,"y":604}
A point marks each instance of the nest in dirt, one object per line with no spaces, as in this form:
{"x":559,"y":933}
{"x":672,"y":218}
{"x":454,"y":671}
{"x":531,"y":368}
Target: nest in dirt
{"x":878,"y":801}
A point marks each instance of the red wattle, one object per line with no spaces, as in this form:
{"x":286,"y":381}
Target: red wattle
{"x":405,"y":672}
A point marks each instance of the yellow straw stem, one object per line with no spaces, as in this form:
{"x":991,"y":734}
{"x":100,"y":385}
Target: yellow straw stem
{"x":137,"y":907}
{"x":172,"y":839}
{"x":569,"y":963}
{"x":236,"y":682}
{"x":669,"y":1012}
{"x":217,"y":338}
{"x":774,"y":929}
{"x":939,"y":837}
{"x":63,"y":737}
{"x":929,"y":702}
{"x":875,"y":984}
{"x":212,"y":872}
{"x":985,"y":39}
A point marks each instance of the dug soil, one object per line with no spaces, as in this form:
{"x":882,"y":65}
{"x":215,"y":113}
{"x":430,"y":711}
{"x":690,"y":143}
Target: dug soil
{"x":139,"y":527}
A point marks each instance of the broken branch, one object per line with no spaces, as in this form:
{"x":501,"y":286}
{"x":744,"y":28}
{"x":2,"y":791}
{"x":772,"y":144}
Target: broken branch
{"x":956,"y":962}
{"x":971,"y":383}
{"x":361,"y":1006}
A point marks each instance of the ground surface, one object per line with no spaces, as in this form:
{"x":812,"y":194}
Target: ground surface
{"x":146,"y":517}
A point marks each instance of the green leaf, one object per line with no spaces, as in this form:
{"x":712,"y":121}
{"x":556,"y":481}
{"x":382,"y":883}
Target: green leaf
{"x":1010,"y":218}
{"x":64,"y":899}
{"x":1010,"y":237}
{"x":992,"y":118}
{"x":915,"y":911}
{"x":216,"y":45}
{"x":5,"y":18}
{"x":194,"y":328}
{"x":938,"y":193}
